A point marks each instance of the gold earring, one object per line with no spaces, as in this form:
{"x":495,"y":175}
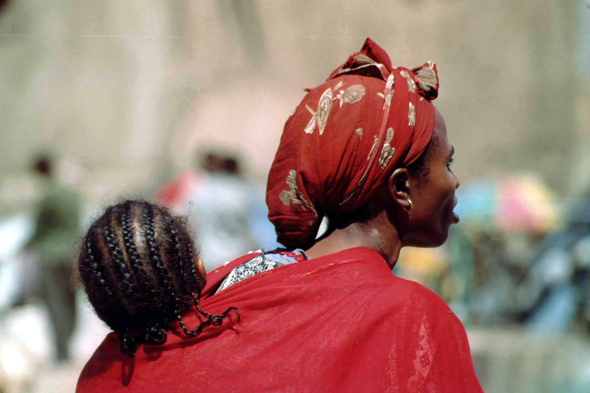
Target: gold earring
{"x":409,"y":206}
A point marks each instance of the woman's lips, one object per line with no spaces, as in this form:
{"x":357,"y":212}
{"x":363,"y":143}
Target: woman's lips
{"x":456,"y":218}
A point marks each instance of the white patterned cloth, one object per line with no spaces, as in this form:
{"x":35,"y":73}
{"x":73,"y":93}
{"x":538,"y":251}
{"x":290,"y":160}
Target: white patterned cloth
{"x":261,"y":263}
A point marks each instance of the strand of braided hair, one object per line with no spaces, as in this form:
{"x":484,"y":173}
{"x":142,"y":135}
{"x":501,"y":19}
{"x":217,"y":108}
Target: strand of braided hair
{"x":198,"y":281}
{"x":164,"y":276}
{"x":193,"y":282}
{"x":120,"y":267}
{"x":98,"y":278}
{"x":132,"y":298}
{"x":147,"y":289}
{"x":164,"y":279}
{"x":153,"y":334}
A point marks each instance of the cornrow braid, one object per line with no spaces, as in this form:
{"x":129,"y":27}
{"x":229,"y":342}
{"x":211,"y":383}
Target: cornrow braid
{"x":97,"y":269}
{"x":155,"y":258}
{"x":94,"y":274}
{"x":120,"y":266}
{"x":155,"y":335}
{"x":176,"y":255}
{"x":165,"y":276}
{"x":138,"y":266}
{"x":146,"y":289}
{"x":192,"y":333}
{"x":127,"y":344}
{"x":216,"y":320}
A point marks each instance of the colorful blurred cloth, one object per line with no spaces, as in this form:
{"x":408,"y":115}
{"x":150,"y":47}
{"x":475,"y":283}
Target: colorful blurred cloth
{"x":177,"y":192}
{"x":518,"y":203}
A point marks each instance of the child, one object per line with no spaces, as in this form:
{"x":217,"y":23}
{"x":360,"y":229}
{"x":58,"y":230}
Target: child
{"x":140,"y":271}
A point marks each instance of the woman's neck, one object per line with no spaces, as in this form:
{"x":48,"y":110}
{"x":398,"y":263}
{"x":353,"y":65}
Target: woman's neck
{"x":377,"y":234}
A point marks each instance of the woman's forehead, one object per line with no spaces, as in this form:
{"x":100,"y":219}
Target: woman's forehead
{"x":443,"y":146}
{"x":440,"y":127}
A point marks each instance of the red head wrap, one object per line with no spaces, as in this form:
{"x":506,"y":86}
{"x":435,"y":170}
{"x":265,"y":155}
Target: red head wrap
{"x":346,"y":138}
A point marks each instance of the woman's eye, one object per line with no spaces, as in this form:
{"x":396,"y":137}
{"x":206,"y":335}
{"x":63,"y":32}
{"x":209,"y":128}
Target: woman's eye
{"x":449,"y":164}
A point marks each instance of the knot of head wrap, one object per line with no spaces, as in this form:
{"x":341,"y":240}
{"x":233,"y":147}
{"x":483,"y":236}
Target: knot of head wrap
{"x":346,"y":138}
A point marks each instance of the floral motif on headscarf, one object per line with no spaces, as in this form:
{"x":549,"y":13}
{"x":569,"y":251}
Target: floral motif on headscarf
{"x":338,"y":169}
{"x":409,"y":80}
{"x":351,"y":95}
{"x":411,"y":115}
{"x":294,"y":196}
{"x":387,"y":151}
{"x":321,"y":115}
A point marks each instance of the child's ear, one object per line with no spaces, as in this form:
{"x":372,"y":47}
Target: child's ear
{"x":201,"y":268}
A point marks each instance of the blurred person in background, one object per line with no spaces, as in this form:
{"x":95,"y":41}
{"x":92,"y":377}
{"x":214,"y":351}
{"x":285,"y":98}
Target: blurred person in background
{"x":226,"y":211}
{"x":554,"y":295}
{"x":220,"y":209}
{"x":57,"y":228}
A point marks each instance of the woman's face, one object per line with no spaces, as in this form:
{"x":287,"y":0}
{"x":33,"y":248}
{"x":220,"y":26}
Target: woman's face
{"x":433,"y":198}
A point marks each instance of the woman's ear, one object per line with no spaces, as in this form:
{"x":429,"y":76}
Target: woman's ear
{"x":201,"y":268}
{"x":399,"y":187}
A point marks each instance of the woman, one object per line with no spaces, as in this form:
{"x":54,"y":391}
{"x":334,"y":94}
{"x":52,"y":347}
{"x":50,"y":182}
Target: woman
{"x":370,"y":152}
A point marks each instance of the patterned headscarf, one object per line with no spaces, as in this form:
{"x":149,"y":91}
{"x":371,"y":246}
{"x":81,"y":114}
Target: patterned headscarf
{"x":346,"y":138}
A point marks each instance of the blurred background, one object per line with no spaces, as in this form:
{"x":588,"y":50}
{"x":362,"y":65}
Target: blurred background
{"x":183,"y":102}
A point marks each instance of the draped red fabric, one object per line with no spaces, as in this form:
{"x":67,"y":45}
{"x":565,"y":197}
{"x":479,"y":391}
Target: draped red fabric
{"x":338,"y":323}
{"x":345,"y":139}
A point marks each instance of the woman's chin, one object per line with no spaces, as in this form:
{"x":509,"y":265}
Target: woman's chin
{"x":430,"y":241}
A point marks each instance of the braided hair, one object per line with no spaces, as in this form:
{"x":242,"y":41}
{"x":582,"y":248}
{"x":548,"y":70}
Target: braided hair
{"x":137,"y":264}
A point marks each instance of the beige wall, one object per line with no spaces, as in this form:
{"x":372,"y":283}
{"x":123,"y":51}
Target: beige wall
{"x":128,"y":89}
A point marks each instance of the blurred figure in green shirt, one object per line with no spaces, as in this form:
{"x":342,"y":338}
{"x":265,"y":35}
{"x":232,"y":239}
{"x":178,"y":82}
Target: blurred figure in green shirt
{"x":58,"y":219}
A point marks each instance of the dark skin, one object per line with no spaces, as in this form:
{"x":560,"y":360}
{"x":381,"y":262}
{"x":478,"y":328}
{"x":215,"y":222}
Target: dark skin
{"x":201,"y":268}
{"x":406,"y":211}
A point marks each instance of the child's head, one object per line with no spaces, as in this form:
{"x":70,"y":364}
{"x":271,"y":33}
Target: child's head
{"x":140,"y":270}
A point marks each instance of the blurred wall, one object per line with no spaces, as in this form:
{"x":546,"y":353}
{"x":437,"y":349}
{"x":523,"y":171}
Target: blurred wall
{"x":127,"y":90}
{"x":580,"y":174}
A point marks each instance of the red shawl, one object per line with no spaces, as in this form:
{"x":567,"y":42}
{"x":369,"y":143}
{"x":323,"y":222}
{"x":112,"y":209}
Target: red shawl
{"x":338,"y":323}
